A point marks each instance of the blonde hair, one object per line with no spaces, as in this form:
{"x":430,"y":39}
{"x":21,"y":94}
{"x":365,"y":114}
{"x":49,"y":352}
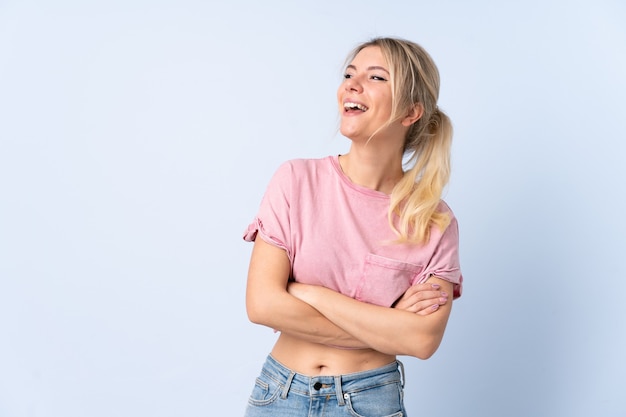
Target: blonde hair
{"x":415,"y":200}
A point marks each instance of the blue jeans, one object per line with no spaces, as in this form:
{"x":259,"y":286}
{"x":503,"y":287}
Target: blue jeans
{"x":280,"y":392}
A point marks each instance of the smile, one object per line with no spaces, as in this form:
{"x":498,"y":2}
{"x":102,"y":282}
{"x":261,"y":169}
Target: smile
{"x":354,"y":106}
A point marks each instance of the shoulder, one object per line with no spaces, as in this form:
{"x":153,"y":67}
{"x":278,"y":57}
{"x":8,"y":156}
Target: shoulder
{"x":443,"y":207}
{"x":298,"y":169}
{"x":306,"y":164}
{"x":450,"y":228}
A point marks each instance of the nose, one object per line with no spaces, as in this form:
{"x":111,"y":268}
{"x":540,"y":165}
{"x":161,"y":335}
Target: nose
{"x":353,"y":85}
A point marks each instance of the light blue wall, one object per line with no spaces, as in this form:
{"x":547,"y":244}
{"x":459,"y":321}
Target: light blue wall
{"x":136,"y":140}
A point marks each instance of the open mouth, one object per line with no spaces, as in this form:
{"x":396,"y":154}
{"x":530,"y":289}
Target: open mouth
{"x":353,"y":107}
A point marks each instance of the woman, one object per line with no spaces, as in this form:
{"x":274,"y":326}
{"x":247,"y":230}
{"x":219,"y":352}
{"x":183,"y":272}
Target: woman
{"x":358,"y":259}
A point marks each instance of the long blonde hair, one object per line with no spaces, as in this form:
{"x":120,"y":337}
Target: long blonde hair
{"x":415,"y":200}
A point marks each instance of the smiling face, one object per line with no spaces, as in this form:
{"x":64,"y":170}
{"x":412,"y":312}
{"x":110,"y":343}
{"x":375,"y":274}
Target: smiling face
{"x":365,"y":97}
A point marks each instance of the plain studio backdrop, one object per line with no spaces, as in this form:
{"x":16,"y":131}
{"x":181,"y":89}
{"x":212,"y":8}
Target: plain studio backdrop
{"x":136,"y":141}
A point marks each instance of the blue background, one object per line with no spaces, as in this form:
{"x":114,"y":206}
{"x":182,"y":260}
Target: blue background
{"x":137,"y":138}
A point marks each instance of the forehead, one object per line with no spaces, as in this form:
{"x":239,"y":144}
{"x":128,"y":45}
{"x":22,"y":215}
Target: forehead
{"x":369,"y":56}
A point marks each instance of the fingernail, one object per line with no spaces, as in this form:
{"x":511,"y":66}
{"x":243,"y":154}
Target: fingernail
{"x":443,"y":299}
{"x":434,"y":307}
{"x":436,"y":286}
{"x":444,"y":294}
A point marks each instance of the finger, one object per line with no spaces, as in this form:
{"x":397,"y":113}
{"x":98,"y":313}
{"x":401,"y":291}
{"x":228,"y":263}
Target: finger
{"x":421,"y":307}
{"x":425,"y":294}
{"x":425,"y":286}
{"x":429,"y":310}
{"x":440,"y":297}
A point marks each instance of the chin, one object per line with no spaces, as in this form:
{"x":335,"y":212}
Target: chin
{"x":348,"y":135}
{"x":351,"y":134}
{"x":356,"y":136}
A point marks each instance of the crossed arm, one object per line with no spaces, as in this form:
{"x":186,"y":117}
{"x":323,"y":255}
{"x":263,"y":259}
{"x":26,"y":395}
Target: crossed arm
{"x":414,"y":327}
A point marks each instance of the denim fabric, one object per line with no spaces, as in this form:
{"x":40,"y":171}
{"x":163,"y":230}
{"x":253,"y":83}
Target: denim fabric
{"x":280,"y":392}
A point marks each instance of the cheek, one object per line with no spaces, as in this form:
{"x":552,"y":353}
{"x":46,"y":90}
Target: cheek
{"x":386,"y":103}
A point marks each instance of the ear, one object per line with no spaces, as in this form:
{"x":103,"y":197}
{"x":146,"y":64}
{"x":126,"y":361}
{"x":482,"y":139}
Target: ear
{"x":414,"y":114}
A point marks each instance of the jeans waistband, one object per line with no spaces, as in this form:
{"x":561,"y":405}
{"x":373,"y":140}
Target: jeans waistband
{"x":331,"y":385}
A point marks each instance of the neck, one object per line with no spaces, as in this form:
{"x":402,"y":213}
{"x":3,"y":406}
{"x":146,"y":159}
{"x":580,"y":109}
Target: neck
{"x":372,"y":167}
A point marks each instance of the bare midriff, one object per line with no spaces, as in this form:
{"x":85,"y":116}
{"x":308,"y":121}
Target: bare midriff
{"x":315,"y":359}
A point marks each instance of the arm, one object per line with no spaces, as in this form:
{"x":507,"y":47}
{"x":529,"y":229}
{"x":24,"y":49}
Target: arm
{"x":391,"y":331}
{"x":268,"y":302}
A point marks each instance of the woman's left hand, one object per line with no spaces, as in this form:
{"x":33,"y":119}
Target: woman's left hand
{"x":422,"y":299}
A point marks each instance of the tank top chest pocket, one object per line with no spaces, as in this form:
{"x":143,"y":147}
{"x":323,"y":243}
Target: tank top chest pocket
{"x":384,"y":280}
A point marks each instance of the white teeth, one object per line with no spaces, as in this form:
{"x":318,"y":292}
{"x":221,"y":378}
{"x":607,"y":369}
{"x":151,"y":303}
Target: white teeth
{"x":354,"y":106}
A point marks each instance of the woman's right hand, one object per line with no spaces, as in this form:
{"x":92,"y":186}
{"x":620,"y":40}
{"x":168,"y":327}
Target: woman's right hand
{"x":422,"y":299}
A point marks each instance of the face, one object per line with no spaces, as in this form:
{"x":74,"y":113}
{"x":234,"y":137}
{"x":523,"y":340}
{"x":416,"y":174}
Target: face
{"x":364,"y":96}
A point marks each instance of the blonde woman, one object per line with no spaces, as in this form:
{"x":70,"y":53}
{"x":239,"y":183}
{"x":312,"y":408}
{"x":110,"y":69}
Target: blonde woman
{"x":355,"y":259}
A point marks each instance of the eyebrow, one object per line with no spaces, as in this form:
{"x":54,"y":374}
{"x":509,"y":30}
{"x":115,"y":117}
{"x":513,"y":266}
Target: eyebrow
{"x":375,"y":67}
